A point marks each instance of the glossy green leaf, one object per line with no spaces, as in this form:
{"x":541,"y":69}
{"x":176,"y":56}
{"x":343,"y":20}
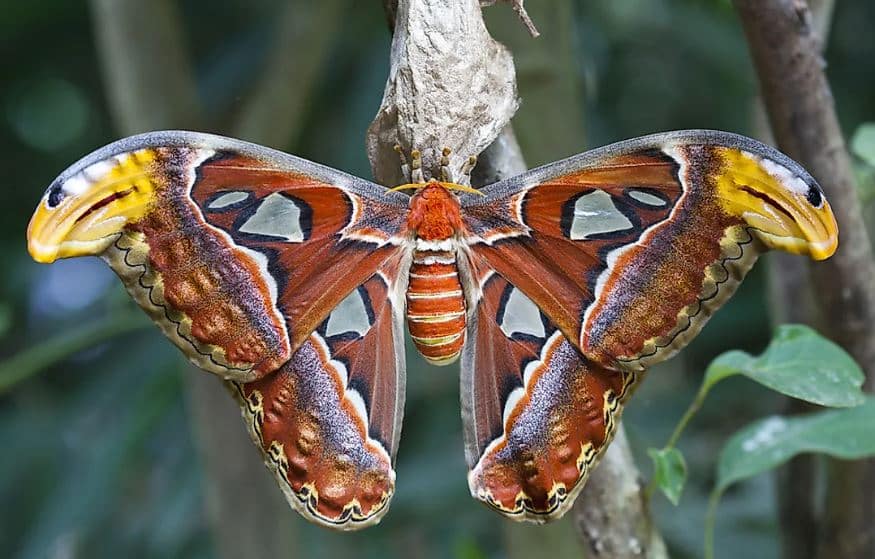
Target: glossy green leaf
{"x":669,"y":472}
{"x":863,"y":143}
{"x":768,"y":443}
{"x":799,"y":363}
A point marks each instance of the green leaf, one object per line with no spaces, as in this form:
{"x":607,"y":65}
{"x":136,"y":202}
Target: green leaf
{"x":863,"y":143}
{"x":799,"y":363}
{"x":669,"y":472}
{"x":865,"y":183}
{"x":768,"y":443}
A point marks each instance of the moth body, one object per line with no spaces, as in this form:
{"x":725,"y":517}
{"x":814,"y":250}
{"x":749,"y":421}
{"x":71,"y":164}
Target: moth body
{"x":436,"y":310}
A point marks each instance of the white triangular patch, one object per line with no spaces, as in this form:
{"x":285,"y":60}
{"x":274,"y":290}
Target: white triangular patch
{"x":277,"y":216}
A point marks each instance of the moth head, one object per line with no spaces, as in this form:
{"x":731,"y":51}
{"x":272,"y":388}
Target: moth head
{"x":781,"y":203}
{"x":85,"y":209}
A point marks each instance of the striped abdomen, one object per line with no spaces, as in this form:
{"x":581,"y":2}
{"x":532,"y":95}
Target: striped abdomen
{"x":436,"y":306}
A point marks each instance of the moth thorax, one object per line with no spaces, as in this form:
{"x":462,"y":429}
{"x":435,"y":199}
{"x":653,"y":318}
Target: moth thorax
{"x":436,"y":306}
{"x":435,"y":214}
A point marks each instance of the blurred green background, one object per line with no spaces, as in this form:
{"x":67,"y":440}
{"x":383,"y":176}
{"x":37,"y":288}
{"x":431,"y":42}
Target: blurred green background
{"x":99,"y":453}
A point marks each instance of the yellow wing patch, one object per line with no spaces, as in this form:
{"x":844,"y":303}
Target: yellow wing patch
{"x":776,"y":203}
{"x":82,"y":214}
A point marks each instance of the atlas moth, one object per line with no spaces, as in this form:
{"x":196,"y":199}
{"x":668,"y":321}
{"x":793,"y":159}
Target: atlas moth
{"x":554,"y":290}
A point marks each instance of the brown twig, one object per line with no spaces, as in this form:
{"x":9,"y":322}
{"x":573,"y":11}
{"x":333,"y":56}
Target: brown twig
{"x":521,"y":12}
{"x":148,"y":77}
{"x":792,"y":300}
{"x":785,"y":48}
{"x":272,"y":113}
{"x":550,"y":122}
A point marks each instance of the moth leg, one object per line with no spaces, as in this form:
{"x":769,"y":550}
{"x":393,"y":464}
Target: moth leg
{"x":416,"y":166}
{"x":468,"y":167}
{"x":405,"y":166}
{"x":446,"y":174}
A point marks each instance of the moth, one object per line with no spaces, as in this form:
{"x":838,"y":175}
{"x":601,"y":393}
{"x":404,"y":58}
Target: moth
{"x":555,"y":289}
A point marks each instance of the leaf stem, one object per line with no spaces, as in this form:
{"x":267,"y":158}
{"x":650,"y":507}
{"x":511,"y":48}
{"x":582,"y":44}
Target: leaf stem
{"x":692,"y":409}
{"x":37,"y":358}
{"x":710,"y":521}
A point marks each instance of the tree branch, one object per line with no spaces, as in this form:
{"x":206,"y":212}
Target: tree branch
{"x":792,"y":300}
{"x":786,"y":52}
{"x":611,"y":513}
{"x":147,"y":73}
{"x":272,"y":112}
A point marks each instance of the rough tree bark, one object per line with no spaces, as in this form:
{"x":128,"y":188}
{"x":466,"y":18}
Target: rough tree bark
{"x":422,"y":92}
{"x":786,"y":51}
{"x":792,"y":300}
{"x":612,"y":515}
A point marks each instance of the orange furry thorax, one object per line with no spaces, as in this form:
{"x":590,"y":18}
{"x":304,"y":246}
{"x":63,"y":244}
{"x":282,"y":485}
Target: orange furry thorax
{"x":435,"y":213}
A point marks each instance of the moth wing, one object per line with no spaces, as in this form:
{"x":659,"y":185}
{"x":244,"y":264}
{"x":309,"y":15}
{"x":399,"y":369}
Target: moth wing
{"x":630,"y":248}
{"x":537,"y":414}
{"x":328,"y":421}
{"x":238,"y":252}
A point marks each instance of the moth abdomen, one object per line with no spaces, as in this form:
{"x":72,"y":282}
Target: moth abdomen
{"x":436,"y":306}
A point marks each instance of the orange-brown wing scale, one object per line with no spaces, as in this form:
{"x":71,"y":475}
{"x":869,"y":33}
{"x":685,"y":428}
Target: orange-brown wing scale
{"x":328,"y":421}
{"x":558,"y":271}
{"x":630,"y":250}
{"x":537,"y":413}
{"x":209,"y":296}
{"x":319,"y":265}
{"x":275,"y":273}
{"x":237,"y":252}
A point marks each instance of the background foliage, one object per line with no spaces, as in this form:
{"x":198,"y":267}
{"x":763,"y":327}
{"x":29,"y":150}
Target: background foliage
{"x":98,"y":456}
